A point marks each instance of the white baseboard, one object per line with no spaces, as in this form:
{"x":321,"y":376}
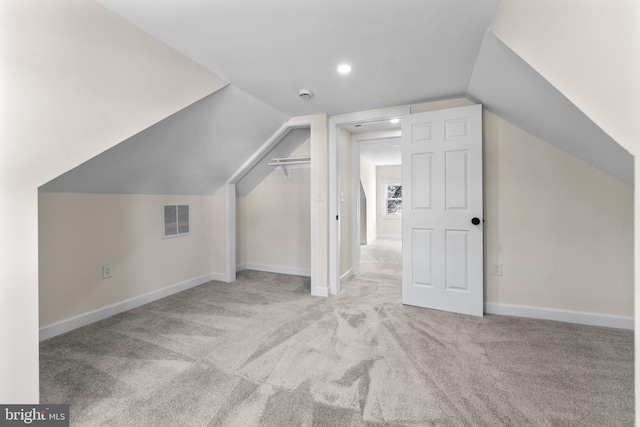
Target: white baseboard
{"x":319,"y":291}
{"x":275,"y":269}
{"x":390,"y":236}
{"x":50,"y":331}
{"x":346,"y":276}
{"x":560,"y":315}
{"x":316,"y":291}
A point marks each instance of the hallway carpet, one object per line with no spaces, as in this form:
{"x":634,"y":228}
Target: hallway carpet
{"x":262,"y":351}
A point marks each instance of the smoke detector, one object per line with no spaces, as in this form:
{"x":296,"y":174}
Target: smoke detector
{"x":305,"y":94}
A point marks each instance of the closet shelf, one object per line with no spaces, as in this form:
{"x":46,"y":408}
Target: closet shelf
{"x":284,"y":162}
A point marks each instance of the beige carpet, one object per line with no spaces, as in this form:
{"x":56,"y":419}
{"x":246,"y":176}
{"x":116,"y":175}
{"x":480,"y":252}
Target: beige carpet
{"x":262,"y":351}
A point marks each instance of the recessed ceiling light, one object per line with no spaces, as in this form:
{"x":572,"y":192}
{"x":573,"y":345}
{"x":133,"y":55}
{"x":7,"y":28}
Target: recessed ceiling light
{"x":394,"y":121}
{"x":344,"y":69}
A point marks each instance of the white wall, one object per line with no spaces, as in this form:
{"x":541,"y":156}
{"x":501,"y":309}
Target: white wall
{"x":345,"y":155}
{"x":75,"y":80}
{"x":562,"y":229}
{"x":368,"y":179}
{"x":387,"y":227}
{"x":590,"y":51}
{"x":81,"y":232}
{"x":273,"y":221}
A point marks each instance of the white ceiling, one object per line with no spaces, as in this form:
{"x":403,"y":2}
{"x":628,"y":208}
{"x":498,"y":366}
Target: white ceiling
{"x":401,"y":52}
{"x":381,"y":152}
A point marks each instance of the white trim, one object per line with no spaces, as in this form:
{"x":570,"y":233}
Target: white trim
{"x":293,"y":123}
{"x":334,"y":180}
{"x":560,"y":315}
{"x":373,"y":238}
{"x":378,"y":135}
{"x":258,"y":155}
{"x":319,"y":291}
{"x":334,"y":209}
{"x":356,"y":238}
{"x":230,"y":231}
{"x":346,"y":276}
{"x":389,"y":236}
{"x":275,"y":269}
{"x":63,"y":326}
{"x":315,"y":289}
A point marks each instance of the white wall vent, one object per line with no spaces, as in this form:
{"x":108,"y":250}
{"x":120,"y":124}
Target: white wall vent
{"x":176,"y":220}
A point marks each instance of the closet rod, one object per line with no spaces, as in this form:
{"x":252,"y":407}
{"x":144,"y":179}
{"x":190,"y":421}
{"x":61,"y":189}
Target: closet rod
{"x":290,"y":161}
{"x":301,"y":162}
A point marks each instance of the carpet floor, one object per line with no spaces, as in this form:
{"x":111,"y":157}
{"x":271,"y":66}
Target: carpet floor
{"x":262,"y":351}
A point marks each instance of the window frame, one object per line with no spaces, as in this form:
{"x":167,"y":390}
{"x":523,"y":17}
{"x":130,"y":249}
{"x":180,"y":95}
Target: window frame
{"x":384,"y":185}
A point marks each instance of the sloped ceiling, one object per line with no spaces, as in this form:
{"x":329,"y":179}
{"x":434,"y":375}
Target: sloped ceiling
{"x":401,"y":53}
{"x":76,"y":79}
{"x":193,"y":151}
{"x":510,"y":88}
{"x":287,"y":145}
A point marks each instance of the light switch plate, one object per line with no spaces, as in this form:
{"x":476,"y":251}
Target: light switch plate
{"x":497,"y":268}
{"x":107,"y":271}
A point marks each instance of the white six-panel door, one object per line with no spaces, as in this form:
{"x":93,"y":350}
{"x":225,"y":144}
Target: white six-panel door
{"x":442,"y":249}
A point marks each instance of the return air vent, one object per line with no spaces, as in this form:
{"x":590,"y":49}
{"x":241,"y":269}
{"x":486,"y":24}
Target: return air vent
{"x":176,"y":219}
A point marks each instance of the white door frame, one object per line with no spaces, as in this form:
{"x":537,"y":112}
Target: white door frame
{"x":334,"y":180}
{"x":230,"y":187}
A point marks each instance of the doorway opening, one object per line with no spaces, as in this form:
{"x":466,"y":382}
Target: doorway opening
{"x":273,"y":218}
{"x":376,"y":199}
{"x":376,"y":131}
{"x":439,"y":198}
{"x":295,"y":135}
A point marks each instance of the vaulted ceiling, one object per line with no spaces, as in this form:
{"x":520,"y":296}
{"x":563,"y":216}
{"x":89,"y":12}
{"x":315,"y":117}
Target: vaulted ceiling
{"x":401,"y":52}
{"x":193,"y":151}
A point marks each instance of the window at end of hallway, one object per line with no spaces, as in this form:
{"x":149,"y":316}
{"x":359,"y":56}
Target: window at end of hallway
{"x":392,"y":200}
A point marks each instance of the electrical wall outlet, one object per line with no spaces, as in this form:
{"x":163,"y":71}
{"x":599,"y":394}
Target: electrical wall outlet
{"x":497,"y":268}
{"x":107,"y":271}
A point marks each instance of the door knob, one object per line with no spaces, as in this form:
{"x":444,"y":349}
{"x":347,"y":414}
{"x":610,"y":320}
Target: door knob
{"x":475,"y":221}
